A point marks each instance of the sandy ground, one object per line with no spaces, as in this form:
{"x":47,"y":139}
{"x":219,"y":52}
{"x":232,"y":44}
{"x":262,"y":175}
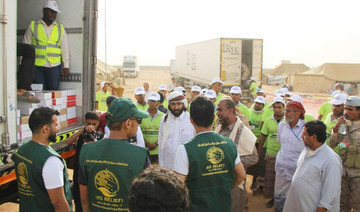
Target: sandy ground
{"x":155,"y":78}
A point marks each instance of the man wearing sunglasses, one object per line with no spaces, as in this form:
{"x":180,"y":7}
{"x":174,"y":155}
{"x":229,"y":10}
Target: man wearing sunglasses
{"x":108,"y":166}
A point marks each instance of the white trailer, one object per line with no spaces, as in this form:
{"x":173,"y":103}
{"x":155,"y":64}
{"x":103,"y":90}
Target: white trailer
{"x":234,"y":60}
{"x":130,"y":66}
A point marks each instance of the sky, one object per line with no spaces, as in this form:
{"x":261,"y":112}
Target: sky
{"x":312,"y":32}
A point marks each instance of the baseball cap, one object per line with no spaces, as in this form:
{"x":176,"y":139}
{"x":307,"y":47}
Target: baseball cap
{"x":51,"y":4}
{"x":211,"y":94}
{"x":296,"y":98}
{"x":235,"y":90}
{"x":154,"y":96}
{"x":338,"y":99}
{"x":180,"y":89}
{"x":203,"y":91}
{"x":123,"y":108}
{"x":162,"y":88}
{"x":259,"y":90}
{"x":196,"y":88}
{"x":139,"y":91}
{"x":353,"y":101}
{"x":252,"y":78}
{"x":215,"y":80}
{"x":278,"y":99}
{"x":102,"y":84}
{"x":285,"y":91}
{"x":260,"y":99}
{"x":334,"y":93}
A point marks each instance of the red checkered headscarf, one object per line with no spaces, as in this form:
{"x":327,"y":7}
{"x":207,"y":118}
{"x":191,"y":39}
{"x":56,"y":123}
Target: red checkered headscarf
{"x":297,"y":106}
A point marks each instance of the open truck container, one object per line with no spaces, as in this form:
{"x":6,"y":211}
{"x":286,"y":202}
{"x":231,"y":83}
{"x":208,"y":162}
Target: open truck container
{"x":79,"y":18}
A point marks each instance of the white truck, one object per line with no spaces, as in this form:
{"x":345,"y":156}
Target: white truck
{"x":234,"y":60}
{"x":130,"y":66}
{"x":80,"y":21}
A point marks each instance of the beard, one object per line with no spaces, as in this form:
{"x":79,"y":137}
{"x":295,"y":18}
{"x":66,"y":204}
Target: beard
{"x":290,"y":119}
{"x":52,"y":137}
{"x":177,"y":112}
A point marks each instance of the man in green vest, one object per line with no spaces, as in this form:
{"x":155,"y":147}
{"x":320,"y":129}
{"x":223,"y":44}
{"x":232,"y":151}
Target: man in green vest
{"x":253,"y":87}
{"x":140,"y":98}
{"x":209,"y":163}
{"x":150,"y":126}
{"x":235,"y":93}
{"x":108,"y":166}
{"x":51,"y":47}
{"x":163,"y":90}
{"x":216,"y":85}
{"x":41,"y":173}
{"x":268,"y":139}
{"x":102,"y":95}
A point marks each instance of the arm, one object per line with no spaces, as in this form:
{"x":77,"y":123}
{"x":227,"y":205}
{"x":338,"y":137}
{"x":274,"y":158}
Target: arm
{"x":28,"y":36}
{"x":65,"y":54}
{"x":320,"y":117}
{"x":183,"y":177}
{"x":74,"y":137}
{"x":261,"y":144}
{"x":249,"y":160}
{"x":160,"y":153}
{"x":58,"y":200}
{"x":84,"y":196}
{"x":240,"y":174}
{"x":335,"y":136}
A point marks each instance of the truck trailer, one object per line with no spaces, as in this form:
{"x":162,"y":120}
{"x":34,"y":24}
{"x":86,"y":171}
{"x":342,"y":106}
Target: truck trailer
{"x":131,"y":66}
{"x":233,"y":60}
{"x":80,"y":21}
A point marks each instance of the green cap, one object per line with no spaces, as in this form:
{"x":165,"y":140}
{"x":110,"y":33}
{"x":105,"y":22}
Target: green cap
{"x":122,"y":109}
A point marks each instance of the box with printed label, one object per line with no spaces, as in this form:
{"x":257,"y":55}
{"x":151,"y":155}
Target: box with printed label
{"x":56,"y":107}
{"x":64,"y":124}
{"x":71,"y":98}
{"x":27,"y":105}
{"x":71,"y":92}
{"x":24,"y":119}
{"x":56,"y":94}
{"x":24,"y":127}
{"x":63,"y":111}
{"x":71,"y":112}
{"x":64,"y":93}
{"x":25,"y":134}
{"x":71,"y":104}
{"x":26,"y":111}
{"x":72,"y":121}
{"x":45,"y":102}
{"x":43,"y":95}
{"x":62,"y":118}
{"x":57,"y":101}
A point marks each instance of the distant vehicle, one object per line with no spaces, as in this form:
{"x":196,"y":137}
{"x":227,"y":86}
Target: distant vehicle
{"x":130,"y":66}
{"x":234,"y":60}
{"x":172,"y":67}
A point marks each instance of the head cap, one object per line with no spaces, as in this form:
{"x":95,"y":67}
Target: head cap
{"x":353,"y":101}
{"x":260,"y":99}
{"x":154,"y":96}
{"x":211,"y":94}
{"x":215,"y":80}
{"x":338,"y":99}
{"x":181,"y":90}
{"x":196,"y":88}
{"x":162,"y":88}
{"x":51,"y":4}
{"x":296,"y":98}
{"x":123,"y":108}
{"x":139,"y":91}
{"x":235,"y":90}
{"x":102,"y":84}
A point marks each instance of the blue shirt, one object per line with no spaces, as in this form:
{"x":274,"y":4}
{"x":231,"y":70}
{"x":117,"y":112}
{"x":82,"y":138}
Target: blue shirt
{"x":316,"y":182}
{"x":291,"y":146}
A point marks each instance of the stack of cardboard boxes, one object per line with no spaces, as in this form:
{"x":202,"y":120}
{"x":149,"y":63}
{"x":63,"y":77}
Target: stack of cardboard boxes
{"x":63,"y":101}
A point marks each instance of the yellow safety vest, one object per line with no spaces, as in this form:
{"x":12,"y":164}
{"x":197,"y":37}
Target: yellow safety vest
{"x":47,"y":48}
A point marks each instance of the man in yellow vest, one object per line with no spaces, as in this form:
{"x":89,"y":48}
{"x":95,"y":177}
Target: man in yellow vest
{"x":51,"y":47}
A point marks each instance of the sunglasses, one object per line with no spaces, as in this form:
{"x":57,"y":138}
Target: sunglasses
{"x":139,"y":120}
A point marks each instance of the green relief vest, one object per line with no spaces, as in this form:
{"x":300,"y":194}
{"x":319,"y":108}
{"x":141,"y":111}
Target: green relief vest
{"x":166,"y":104}
{"x":29,"y":162}
{"x":108,"y":167}
{"x":150,"y":130}
{"x":255,"y":123}
{"x":329,"y":127}
{"x":47,"y":48}
{"x":211,"y":172}
{"x":270,"y":129}
{"x":140,"y":107}
{"x":218,"y":98}
{"x":244,"y":110}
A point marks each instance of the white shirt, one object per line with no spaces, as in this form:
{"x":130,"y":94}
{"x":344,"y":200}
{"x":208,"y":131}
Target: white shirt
{"x":179,"y":130}
{"x":52,"y":173}
{"x":147,"y":95}
{"x":64,"y":42}
{"x":139,"y":136}
{"x":181,"y":164}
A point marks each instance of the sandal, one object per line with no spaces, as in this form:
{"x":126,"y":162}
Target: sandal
{"x":27,"y":97}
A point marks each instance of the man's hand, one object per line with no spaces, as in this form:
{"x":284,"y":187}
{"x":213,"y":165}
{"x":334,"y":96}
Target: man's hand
{"x":90,"y":128}
{"x":340,"y":120}
{"x":65,"y":72}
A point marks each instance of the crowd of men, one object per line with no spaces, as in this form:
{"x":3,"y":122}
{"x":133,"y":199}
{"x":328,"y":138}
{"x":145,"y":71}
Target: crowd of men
{"x":203,"y":146}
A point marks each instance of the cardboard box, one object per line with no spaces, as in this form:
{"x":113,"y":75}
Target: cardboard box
{"x":71,"y":98}
{"x":63,"y":106}
{"x":71,"y":112}
{"x":25,"y":134}
{"x":56,"y":94}
{"x":24,"y":119}
{"x":71,"y":104}
{"x":72,"y":121}
{"x":26,"y":111}
{"x":56,"y":107}
{"x":43,"y":95}
{"x":24,"y":127}
{"x":62,"y":118}
{"x":64,"y":93}
{"x":45,"y":102}
{"x":71,"y":92}
{"x":64,"y":124}
{"x":57,"y":101}
{"x":37,"y":87}
{"x":63,"y":111}
{"x":27,"y":105}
